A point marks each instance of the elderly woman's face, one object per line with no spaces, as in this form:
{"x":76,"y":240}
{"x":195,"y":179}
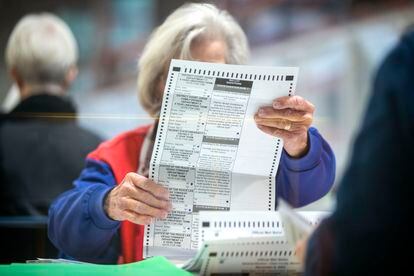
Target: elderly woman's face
{"x":214,"y":51}
{"x":209,"y":51}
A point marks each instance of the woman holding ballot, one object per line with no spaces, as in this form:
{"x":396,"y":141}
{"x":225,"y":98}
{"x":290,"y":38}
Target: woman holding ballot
{"x":85,"y":222}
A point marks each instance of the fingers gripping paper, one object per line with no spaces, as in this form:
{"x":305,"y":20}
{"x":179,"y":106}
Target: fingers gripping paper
{"x":209,"y":152}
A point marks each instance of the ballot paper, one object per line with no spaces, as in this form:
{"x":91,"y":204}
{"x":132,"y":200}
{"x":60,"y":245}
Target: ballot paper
{"x":241,"y":224}
{"x":296,"y":226}
{"x":209,"y":152}
{"x":248,"y":243}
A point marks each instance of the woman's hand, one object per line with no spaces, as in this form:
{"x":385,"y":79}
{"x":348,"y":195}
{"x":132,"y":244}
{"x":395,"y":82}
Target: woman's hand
{"x":137,"y":199}
{"x":288,"y":118}
{"x":300,"y":249}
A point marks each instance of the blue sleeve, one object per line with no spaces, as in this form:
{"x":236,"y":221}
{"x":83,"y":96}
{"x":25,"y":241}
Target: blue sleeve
{"x":305,"y":180}
{"x":78,"y":225}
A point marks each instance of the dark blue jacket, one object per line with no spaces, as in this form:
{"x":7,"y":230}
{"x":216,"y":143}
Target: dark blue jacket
{"x":369,"y":232}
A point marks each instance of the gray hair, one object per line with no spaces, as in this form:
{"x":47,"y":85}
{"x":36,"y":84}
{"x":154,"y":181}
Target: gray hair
{"x":41,"y":49}
{"x":173,"y":39}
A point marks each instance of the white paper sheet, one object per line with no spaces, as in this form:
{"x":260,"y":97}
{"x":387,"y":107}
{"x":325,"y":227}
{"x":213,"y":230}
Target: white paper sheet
{"x":296,"y":226}
{"x":209,"y":152}
{"x":247,"y":256}
{"x":255,"y":243}
{"x":241,"y":224}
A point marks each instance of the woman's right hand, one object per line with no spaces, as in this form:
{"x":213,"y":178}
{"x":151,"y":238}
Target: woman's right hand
{"x":300,"y":249}
{"x":137,"y":199}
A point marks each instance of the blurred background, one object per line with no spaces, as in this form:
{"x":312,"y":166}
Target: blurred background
{"x":336,"y":43}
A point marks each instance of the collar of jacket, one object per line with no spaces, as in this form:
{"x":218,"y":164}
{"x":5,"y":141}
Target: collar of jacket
{"x":44,"y":107}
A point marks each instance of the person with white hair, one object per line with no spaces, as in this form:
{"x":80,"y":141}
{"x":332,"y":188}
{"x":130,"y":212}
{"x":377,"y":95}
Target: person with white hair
{"x":85,"y":223}
{"x":42,"y":148}
{"x":41,"y":55}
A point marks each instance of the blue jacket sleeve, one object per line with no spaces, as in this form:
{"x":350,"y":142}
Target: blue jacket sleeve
{"x":304,"y":180}
{"x":78,"y":225}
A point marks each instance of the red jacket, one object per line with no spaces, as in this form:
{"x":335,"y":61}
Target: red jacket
{"x":122,"y":155}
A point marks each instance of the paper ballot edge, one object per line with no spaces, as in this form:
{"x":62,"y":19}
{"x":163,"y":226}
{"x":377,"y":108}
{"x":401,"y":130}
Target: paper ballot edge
{"x":293,"y":221}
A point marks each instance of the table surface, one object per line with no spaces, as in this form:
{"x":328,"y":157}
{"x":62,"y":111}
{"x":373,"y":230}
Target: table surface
{"x":153,"y":266}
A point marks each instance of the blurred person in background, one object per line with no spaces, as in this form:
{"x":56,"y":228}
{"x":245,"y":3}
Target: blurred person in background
{"x":85,"y":222}
{"x":42,"y":148}
{"x":11,"y":100}
{"x":374,"y":209}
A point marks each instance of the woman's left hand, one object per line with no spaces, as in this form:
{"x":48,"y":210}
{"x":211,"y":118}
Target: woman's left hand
{"x":300,"y":250}
{"x":288,"y":118}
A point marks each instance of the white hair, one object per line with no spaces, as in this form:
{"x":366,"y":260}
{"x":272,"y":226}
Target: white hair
{"x":41,"y":49}
{"x":173,"y":39}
